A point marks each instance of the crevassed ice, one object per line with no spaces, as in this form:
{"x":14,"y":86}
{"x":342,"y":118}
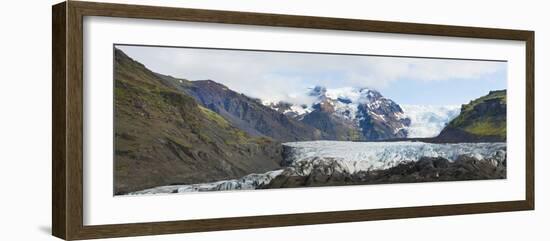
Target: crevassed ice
{"x":363,"y":156}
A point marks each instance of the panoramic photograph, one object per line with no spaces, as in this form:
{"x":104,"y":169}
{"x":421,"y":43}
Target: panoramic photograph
{"x":203,"y":119}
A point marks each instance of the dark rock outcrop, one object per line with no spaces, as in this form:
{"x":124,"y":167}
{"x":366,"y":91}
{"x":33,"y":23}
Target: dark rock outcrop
{"x":333,"y":126}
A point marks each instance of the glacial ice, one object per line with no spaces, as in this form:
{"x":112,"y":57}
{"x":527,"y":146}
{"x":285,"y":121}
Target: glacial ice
{"x":429,"y":120}
{"x":342,"y":156}
{"x":364,"y":156}
{"x":248,"y":182}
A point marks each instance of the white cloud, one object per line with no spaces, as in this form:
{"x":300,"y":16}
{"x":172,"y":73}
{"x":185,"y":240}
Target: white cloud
{"x":285,"y":76}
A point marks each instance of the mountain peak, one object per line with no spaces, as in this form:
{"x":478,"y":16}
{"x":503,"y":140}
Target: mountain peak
{"x":317,"y":91}
{"x":350,"y":113}
{"x":370,"y":94}
{"x":348,"y":95}
{"x":209,"y":82}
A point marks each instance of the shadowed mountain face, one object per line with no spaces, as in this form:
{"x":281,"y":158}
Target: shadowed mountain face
{"x":163,"y":136}
{"x":381,"y":118}
{"x":483,"y":119}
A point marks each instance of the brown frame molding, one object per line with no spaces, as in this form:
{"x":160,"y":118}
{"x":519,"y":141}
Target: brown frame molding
{"x":67,"y":123}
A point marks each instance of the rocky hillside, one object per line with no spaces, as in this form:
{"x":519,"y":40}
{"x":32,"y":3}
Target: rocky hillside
{"x":243,"y":112}
{"x":483,"y":119}
{"x":249,"y":114}
{"x":163,"y":136}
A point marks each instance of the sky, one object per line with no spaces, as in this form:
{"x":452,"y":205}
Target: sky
{"x":281,"y":76}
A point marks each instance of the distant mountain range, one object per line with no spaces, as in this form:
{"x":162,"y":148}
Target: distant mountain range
{"x":344,"y":114}
{"x":175,"y":131}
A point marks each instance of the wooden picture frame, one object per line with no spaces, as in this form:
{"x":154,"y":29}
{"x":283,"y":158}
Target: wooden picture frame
{"x":67,"y":150}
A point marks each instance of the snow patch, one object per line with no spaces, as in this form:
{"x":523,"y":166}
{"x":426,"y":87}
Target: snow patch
{"x":299,"y":109}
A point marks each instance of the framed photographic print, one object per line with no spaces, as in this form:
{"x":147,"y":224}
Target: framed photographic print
{"x":171,"y":120}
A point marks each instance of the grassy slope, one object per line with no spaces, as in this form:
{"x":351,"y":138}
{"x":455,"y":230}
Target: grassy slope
{"x":163,"y":137}
{"x":485,"y":116}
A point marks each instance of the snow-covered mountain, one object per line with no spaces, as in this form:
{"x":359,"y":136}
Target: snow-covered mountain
{"x":349,"y":114}
{"x":368,"y":114}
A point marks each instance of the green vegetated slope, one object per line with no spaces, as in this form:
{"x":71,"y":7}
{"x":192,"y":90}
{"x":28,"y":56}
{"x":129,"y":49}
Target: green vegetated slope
{"x":163,"y":137}
{"x":483,"y":119}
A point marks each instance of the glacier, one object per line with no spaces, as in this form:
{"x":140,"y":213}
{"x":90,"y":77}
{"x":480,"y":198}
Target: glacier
{"x":301,"y":158}
{"x":428,"y":120}
{"x":367,"y":156}
{"x":248,"y":182}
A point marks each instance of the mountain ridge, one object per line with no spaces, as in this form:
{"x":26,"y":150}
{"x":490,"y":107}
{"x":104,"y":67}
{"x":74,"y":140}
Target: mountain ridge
{"x":250,"y":114}
{"x":163,"y":136}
